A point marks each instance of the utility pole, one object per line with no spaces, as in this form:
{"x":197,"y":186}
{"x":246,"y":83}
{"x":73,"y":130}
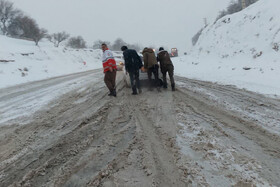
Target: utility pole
{"x":243,"y":4}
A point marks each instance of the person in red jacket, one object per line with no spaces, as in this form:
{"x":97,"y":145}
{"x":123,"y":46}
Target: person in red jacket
{"x":110,"y":70}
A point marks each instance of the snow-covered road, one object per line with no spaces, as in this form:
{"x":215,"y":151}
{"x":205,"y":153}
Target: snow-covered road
{"x":25,"y":99}
{"x":66,"y":131}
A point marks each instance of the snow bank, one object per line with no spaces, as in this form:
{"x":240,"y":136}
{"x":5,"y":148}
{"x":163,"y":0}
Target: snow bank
{"x":240,"y":49}
{"x":21,"y":61}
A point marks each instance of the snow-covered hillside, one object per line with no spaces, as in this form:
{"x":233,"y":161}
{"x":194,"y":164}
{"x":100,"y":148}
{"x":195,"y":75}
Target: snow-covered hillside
{"x":240,"y":49}
{"x":21,"y":61}
{"x":253,"y":33}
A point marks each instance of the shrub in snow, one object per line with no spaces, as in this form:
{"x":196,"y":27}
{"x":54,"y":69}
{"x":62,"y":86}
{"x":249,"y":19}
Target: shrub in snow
{"x":14,"y":23}
{"x":26,"y":27}
{"x":275,"y":46}
{"x":57,"y":38}
{"x":235,"y":6}
{"x":119,"y":42}
{"x":196,"y":37}
{"x":76,"y":42}
{"x":7,"y":14}
{"x":97,"y":44}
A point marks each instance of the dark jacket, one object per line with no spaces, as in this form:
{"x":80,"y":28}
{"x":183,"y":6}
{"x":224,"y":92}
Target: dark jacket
{"x":150,"y":59}
{"x":133,"y":61}
{"x":164,"y":59}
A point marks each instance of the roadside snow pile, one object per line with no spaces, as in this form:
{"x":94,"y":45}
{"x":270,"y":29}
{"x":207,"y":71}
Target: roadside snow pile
{"x":242,"y":49}
{"x":21,"y":61}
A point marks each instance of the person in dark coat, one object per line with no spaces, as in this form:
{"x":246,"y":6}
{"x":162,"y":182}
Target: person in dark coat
{"x":166,"y":65}
{"x":151,"y":64}
{"x":133,"y":64}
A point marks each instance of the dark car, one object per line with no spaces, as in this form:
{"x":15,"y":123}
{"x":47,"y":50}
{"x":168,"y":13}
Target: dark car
{"x":143,"y":76}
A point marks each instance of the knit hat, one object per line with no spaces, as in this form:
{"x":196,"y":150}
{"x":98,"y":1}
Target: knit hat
{"x":124,"y":48}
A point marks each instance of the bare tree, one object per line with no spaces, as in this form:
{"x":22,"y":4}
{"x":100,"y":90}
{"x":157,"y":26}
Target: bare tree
{"x":15,"y":28}
{"x":39,"y":34}
{"x":198,"y":34}
{"x":221,"y":14}
{"x":97,"y":44}
{"x":7,"y":14}
{"x":118,"y":44}
{"x":137,"y":47}
{"x":235,"y":6}
{"x":59,"y":37}
{"x":26,"y":27}
{"x":77,"y":42}
{"x":196,"y":37}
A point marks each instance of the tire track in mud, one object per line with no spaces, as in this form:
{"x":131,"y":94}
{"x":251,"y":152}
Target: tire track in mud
{"x":57,"y":118}
{"x":251,"y":106}
{"x":60,"y":137}
{"x":117,"y":135}
{"x":180,"y":138}
{"x":151,"y":158}
{"x":255,"y":150}
{"x":236,"y":122}
{"x":51,"y":151}
{"x":158,"y":159}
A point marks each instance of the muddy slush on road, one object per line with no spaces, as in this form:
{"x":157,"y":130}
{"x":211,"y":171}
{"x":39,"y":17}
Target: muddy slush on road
{"x":204,"y":134}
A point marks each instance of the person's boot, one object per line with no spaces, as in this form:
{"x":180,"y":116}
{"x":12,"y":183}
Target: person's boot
{"x":173,"y":87}
{"x":111,"y":93}
{"x":165,"y":85}
{"x":114,"y":93}
{"x":134,"y":91}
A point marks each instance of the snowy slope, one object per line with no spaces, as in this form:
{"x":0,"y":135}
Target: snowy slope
{"x":29,"y":62}
{"x":239,"y":49}
{"x":245,"y":34}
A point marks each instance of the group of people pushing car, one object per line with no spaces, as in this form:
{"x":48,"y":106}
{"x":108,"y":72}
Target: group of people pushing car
{"x":133,"y":66}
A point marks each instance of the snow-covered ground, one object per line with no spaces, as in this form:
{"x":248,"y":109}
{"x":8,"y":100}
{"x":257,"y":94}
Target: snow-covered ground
{"x":240,"y":49}
{"x":23,"y":101}
{"x":224,"y":136}
{"x":28,"y":62}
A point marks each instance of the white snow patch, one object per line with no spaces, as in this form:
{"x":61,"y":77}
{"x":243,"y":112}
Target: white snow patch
{"x":242,"y":49}
{"x":211,"y":158}
{"x":26,"y":104}
{"x":27,"y":62}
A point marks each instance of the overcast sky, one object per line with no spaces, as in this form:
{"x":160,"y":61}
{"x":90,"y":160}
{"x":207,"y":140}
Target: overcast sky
{"x":169,"y":23}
